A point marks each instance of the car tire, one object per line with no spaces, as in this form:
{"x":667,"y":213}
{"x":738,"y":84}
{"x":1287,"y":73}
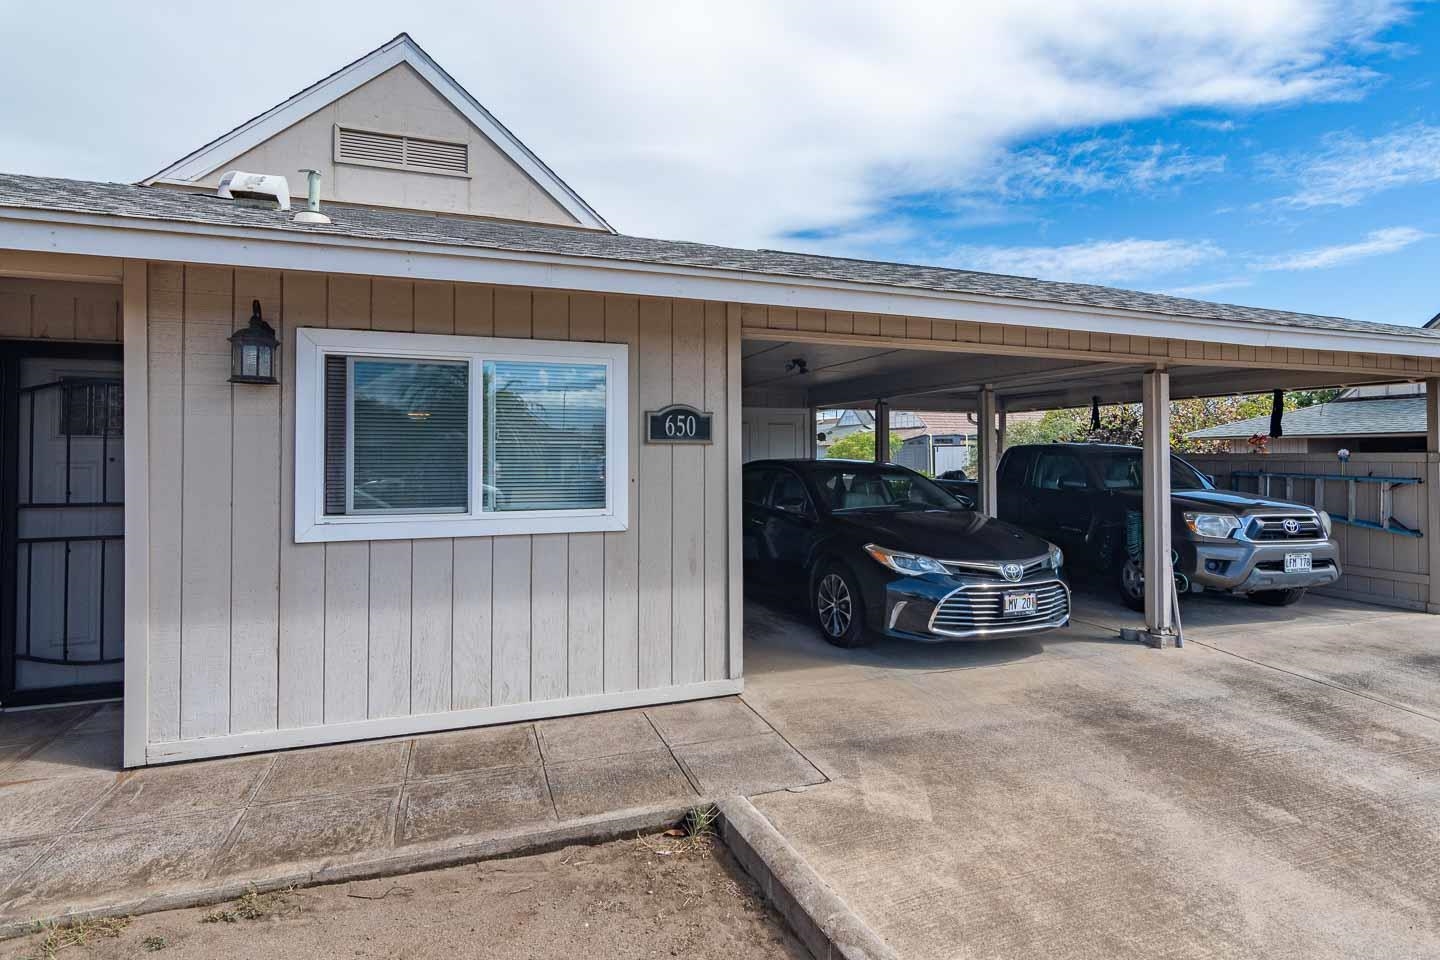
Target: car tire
{"x":1278,"y":598}
{"x":1130,"y":582}
{"x":837,"y":606}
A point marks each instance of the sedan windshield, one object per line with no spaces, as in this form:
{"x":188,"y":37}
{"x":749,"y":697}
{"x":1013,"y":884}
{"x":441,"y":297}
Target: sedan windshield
{"x":853,"y":487}
{"x":1122,"y":471}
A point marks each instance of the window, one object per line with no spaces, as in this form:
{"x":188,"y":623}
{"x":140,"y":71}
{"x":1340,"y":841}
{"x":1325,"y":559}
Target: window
{"x":371,"y":148}
{"x":401,"y":435}
{"x":1123,"y":471}
{"x":872,"y":488}
{"x":1060,"y":471}
{"x":789,"y":494}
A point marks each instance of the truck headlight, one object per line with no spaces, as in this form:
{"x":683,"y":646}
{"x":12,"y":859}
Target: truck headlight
{"x":1212,"y":526}
{"x":910,"y":564}
{"x":1325,"y":523}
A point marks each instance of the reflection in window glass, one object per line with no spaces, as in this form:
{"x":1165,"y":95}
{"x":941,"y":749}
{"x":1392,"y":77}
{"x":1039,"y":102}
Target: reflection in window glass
{"x":410,"y":436}
{"x":545,"y":436}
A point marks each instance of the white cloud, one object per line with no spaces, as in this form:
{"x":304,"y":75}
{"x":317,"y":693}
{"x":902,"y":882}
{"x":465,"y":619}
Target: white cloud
{"x":736,"y":122}
{"x":1219,"y":126}
{"x":1348,"y":169}
{"x":1207,"y":289}
{"x":1376,"y":243}
{"x":1093,"y":165}
{"x":1105,"y":261}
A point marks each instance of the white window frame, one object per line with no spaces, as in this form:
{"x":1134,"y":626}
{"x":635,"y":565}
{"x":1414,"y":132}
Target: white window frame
{"x":312,"y":525}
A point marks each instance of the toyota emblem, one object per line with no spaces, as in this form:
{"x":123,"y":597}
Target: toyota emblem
{"x":1292,"y":526}
{"x":1012,"y":572}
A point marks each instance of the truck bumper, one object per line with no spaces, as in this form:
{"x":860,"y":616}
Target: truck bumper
{"x":1250,"y":567}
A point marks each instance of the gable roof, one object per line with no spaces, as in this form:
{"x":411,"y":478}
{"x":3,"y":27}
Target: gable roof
{"x":206,"y":213}
{"x":1340,"y":418}
{"x":402,"y":49}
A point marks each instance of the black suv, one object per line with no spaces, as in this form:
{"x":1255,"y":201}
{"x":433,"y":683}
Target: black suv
{"x":1085,"y":497}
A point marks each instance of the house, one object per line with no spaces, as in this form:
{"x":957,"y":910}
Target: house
{"x":488,"y":466}
{"x":1361,"y":424}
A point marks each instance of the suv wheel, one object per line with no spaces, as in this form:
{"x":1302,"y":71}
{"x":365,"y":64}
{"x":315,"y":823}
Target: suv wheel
{"x":1278,"y":598}
{"x":1131,"y":581}
{"x":839,"y":611}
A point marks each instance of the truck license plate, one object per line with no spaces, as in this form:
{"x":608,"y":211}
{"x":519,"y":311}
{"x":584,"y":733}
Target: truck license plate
{"x":1021,"y":604}
{"x":1298,"y":562}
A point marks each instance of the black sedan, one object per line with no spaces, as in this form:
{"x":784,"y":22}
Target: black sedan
{"x":881,"y":550}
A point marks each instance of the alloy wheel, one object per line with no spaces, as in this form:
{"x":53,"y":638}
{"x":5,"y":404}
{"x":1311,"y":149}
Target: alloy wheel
{"x":833,"y":605}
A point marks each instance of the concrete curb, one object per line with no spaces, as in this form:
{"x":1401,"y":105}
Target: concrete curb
{"x":435,"y":857}
{"x":822,"y":921}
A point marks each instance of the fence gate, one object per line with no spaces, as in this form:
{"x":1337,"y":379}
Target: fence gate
{"x":63,"y":588}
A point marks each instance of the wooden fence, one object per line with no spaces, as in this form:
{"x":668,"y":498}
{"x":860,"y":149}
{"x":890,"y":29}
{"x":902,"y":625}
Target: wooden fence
{"x":1379,"y":566}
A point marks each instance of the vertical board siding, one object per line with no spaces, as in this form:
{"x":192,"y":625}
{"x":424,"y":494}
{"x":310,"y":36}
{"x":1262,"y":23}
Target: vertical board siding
{"x":687,"y":515}
{"x":60,"y":310}
{"x":302,"y":565}
{"x":251,"y":631}
{"x":205,"y":504}
{"x":622,"y":549}
{"x":166,"y":325}
{"x":656,"y":493}
{"x":255,"y":547}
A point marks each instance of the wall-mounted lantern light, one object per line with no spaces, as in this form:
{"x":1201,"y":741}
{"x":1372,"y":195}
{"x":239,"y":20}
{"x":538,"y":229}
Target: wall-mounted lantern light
{"x":252,"y":351}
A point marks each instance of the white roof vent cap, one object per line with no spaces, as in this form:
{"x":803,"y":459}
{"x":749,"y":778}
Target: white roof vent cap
{"x":263,"y":187}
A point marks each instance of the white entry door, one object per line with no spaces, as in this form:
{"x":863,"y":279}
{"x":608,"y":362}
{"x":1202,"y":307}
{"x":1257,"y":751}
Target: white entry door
{"x":776,"y":434}
{"x":66,"y":529}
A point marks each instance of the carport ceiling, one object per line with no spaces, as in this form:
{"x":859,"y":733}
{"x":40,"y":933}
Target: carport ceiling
{"x":845,"y":375}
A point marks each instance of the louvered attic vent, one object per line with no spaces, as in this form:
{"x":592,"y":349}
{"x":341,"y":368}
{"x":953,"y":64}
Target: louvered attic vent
{"x":371,"y":148}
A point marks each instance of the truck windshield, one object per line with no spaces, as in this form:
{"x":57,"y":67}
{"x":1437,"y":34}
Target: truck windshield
{"x":1122,"y":471}
{"x":854,"y":487}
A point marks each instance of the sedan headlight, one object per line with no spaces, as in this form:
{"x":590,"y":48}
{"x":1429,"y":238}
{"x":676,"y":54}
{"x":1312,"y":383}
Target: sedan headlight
{"x":1057,"y":558}
{"x":1326,"y":523}
{"x":910,"y":564}
{"x":1213,"y":526}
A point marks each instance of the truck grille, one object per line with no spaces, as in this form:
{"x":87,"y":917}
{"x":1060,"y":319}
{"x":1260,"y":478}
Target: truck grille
{"x":979,"y":609}
{"x":1295,"y":527}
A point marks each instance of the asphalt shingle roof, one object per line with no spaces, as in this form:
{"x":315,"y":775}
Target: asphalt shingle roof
{"x":1344,"y":418}
{"x":159,"y":203}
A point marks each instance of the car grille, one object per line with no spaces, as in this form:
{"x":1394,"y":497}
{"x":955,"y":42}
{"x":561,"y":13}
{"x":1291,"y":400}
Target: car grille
{"x":1301,"y":527}
{"x":979,"y":609}
{"x":978,"y":569}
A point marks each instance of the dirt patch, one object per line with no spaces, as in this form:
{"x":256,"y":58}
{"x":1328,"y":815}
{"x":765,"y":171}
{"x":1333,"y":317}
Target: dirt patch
{"x":650,"y":897}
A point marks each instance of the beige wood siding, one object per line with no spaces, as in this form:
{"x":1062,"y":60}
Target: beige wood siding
{"x":399,"y":101}
{"x":1377,"y":567}
{"x":251,"y":632}
{"x":59,"y":310}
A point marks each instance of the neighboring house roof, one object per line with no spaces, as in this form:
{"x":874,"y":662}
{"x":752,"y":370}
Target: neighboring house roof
{"x":1342,"y":418}
{"x":370,"y":224}
{"x":317,"y":96}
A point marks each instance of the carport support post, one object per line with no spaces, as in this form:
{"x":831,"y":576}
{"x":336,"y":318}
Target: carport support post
{"x":988,"y":450}
{"x":1155,"y":465}
{"x":882,"y":431}
{"x":1432,"y":489}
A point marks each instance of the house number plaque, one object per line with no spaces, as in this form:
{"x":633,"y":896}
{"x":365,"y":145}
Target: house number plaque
{"x":679,"y":423}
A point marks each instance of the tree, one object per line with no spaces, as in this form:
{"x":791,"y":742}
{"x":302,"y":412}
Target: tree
{"x":1056,"y":426}
{"x":861,"y":446}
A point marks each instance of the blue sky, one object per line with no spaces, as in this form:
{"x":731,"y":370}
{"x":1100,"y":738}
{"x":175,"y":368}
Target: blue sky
{"x":1328,"y":205}
{"x":1282,"y":153}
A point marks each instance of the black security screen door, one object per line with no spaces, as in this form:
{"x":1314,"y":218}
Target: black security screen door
{"x":62,"y":592}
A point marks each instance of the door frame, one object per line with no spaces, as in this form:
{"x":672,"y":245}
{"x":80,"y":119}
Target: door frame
{"x":11,"y":353}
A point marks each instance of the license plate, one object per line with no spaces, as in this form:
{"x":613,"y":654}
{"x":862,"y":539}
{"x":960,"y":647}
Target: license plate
{"x":1298,"y":562}
{"x":1021,"y":604}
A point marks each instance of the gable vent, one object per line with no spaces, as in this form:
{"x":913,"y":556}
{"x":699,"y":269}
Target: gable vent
{"x":372,"y":148}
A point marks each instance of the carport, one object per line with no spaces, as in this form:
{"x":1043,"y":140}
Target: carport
{"x":994,"y":356}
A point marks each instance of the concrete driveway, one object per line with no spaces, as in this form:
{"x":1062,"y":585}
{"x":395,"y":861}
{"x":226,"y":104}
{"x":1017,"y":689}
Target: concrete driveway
{"x":1271,"y":790}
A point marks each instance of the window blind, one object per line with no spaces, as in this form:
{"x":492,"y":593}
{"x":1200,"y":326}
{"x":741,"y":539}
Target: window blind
{"x":545,"y":436}
{"x":409,"y":436}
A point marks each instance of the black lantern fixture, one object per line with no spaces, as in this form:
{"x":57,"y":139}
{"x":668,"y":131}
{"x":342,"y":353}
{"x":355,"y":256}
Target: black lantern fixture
{"x":252,"y":351}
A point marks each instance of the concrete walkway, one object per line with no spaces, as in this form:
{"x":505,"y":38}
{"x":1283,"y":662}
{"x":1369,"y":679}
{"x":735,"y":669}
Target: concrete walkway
{"x":76,"y":833}
{"x":1271,"y":790}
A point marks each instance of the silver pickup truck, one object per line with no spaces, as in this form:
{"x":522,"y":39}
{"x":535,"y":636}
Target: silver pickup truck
{"x":1085,"y":497}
